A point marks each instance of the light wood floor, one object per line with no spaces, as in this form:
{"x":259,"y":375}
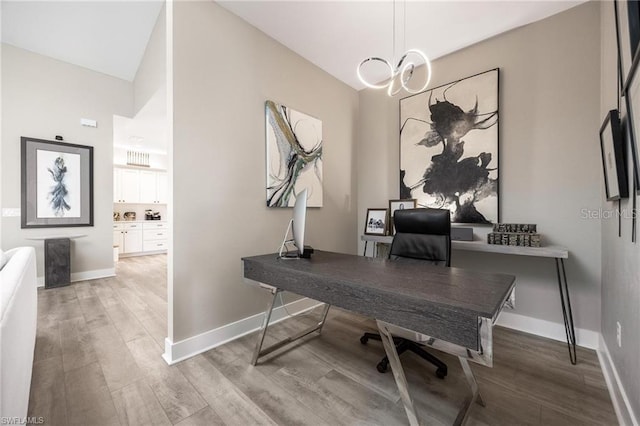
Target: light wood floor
{"x":99,"y":343}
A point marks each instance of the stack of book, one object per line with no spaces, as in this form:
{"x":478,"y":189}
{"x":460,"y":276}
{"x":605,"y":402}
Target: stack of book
{"x":514,"y":234}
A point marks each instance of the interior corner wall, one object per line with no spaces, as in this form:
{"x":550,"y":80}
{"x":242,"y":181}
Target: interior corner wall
{"x":549,"y":154}
{"x":151,"y":74}
{"x":42,"y":98}
{"x":620,"y":256}
{"x":224,"y":71}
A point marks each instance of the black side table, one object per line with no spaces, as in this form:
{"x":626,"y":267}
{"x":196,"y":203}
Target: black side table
{"x":57,"y":259}
{"x":57,"y":262}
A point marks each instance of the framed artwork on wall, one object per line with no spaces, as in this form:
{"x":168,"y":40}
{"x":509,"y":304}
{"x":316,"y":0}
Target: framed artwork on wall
{"x":632,"y":102}
{"x":613,"y":161}
{"x":57,"y":184}
{"x":399,"y":205}
{"x":294,"y":156}
{"x":449,"y":148}
{"x":376,"y":222}
{"x":627,"y":26}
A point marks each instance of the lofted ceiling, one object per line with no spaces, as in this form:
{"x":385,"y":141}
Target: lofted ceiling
{"x":147,"y":131}
{"x":337,"y":35}
{"x":110,"y":36}
{"x":105,"y":36}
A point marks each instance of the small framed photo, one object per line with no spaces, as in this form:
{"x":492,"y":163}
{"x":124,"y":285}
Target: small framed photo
{"x":613,"y":163}
{"x":394,"y":205}
{"x":57,"y":184}
{"x":376,"y":222}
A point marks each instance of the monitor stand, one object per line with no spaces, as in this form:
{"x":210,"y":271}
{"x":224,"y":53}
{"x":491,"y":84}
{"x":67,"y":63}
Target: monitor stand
{"x":293,"y":254}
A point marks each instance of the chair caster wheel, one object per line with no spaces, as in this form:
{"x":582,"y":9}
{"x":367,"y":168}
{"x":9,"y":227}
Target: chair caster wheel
{"x":441,"y":373}
{"x":364,"y":340}
{"x":382,"y":367}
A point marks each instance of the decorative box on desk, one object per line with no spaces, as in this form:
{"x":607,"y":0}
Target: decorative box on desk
{"x":514,"y":234}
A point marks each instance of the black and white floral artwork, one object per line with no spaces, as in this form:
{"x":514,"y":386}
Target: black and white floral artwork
{"x":294,"y":156}
{"x":449,"y":148}
{"x":58,"y":184}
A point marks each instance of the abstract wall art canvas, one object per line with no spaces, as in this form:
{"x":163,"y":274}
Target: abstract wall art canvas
{"x":57,"y":184}
{"x":294,"y":156}
{"x":449,"y":148}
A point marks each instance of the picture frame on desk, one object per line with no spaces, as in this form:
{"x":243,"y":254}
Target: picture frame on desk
{"x":376,"y":222}
{"x":613,"y":159}
{"x":409,"y":203}
{"x":56,"y":184}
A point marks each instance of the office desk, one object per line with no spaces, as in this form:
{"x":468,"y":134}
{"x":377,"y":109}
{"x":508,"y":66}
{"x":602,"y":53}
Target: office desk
{"x":555,"y":252}
{"x":450,"y":309}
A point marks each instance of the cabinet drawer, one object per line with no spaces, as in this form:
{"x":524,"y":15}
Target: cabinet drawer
{"x":127,"y":226}
{"x":151,"y":224}
{"x":154,"y":234}
{"x":118,"y":227}
{"x":154,"y":245}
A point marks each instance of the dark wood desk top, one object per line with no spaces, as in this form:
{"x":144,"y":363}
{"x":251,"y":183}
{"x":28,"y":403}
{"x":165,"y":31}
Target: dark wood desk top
{"x":441,"y":302}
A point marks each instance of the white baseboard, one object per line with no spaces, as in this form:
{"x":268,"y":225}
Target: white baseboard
{"x":86,"y":275}
{"x":619,"y":397}
{"x":178,"y":351}
{"x":141,"y":253}
{"x":551,"y":330}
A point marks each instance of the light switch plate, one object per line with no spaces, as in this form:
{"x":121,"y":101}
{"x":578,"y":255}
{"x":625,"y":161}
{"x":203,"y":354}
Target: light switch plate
{"x":11,"y":212}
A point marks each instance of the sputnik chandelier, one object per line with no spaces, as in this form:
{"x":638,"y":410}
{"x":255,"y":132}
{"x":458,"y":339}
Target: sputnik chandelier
{"x":398,"y":77}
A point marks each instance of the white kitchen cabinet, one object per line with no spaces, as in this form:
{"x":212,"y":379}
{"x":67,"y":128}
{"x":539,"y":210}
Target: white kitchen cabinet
{"x":163,"y":186}
{"x":126,"y":186}
{"x":155,"y":235}
{"x":153,"y":187}
{"x":128,"y":236}
{"x":118,"y":240}
{"x":141,"y":237}
{"x":148,"y":187}
{"x":117,"y":186}
{"x":132,"y":241}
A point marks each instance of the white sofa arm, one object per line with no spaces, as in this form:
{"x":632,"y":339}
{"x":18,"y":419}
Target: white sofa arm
{"x":18,"y":321}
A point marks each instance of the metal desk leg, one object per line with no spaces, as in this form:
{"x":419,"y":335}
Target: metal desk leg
{"x":365,"y":249}
{"x":398,"y":373}
{"x":265,"y":324}
{"x":567,"y":314}
{"x":258,"y":352}
{"x":401,"y":381}
{"x":475,"y":393}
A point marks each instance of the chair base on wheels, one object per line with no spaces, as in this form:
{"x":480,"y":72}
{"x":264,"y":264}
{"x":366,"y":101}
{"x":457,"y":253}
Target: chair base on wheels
{"x":403,"y":345}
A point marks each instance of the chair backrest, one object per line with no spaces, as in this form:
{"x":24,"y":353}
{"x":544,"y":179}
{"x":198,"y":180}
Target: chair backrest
{"x":423,"y":234}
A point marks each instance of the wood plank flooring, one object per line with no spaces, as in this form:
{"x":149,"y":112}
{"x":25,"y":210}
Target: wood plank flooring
{"x":98,"y":362}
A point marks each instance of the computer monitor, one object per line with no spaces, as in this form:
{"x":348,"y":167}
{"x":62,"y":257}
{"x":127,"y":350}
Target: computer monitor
{"x":297,"y":225}
{"x":299,"y":219}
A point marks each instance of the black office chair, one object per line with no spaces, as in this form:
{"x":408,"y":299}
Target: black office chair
{"x":423,"y":234}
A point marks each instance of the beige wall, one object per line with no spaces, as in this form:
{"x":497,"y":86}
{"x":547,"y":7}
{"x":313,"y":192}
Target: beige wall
{"x":224,"y":70}
{"x":620,"y":265}
{"x":549,"y":158}
{"x":42,"y":98}
{"x":151,"y":74}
